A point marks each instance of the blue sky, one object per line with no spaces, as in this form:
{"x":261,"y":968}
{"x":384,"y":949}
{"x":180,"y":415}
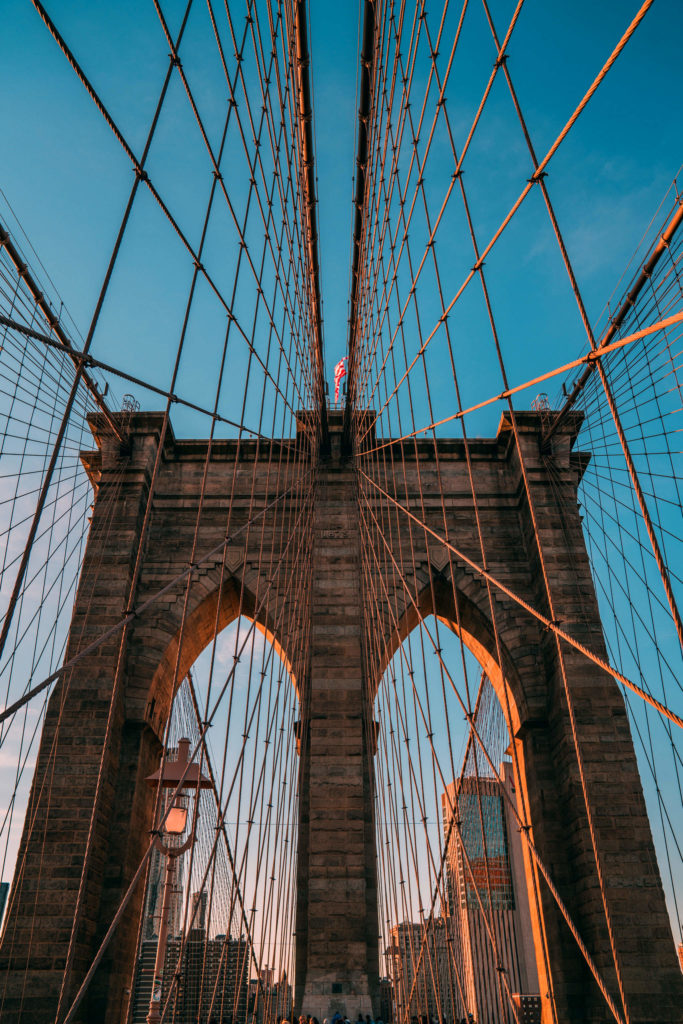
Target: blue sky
{"x":67,"y":178}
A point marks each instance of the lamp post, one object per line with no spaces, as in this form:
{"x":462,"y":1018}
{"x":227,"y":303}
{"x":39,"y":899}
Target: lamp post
{"x":176,"y":820}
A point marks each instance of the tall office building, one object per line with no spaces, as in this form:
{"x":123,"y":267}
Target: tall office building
{"x":209,"y":982}
{"x":270,"y":1000}
{"x":488,"y":901}
{"x":141,"y":992}
{"x":421,"y":980}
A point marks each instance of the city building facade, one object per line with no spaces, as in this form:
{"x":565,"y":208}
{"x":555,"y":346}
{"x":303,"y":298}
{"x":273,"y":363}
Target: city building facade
{"x":205,"y":979}
{"x":488,"y":899}
{"x":420,"y":964}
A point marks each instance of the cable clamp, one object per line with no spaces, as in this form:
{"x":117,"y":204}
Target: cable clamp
{"x":553,"y":624}
{"x":175,"y":60}
{"x":536,"y":177}
{"x":140,"y":173}
{"x":500,"y":61}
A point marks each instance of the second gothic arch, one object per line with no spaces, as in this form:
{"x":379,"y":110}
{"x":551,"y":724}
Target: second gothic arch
{"x":472,"y":624}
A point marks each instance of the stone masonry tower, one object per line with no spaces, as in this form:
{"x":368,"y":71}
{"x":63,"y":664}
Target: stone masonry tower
{"x":336,"y":923}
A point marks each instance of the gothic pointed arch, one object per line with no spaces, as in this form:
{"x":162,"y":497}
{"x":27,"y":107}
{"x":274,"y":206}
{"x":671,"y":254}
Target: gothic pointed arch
{"x":209,"y":612}
{"x":463,"y":607}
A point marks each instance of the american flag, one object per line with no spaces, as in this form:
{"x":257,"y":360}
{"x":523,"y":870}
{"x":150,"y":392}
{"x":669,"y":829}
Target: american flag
{"x":339,"y":372}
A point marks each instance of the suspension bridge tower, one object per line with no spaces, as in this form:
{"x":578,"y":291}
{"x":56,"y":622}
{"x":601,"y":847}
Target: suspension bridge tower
{"x":95,"y":733}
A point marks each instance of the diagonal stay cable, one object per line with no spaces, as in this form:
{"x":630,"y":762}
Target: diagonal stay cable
{"x":88,"y":360}
{"x":591,"y":357}
{"x":525,"y":191}
{"x":173,"y":795}
{"x":524,"y":826}
{"x":215,"y":162}
{"x":75,"y":387}
{"x":142,"y":175}
{"x":440,"y":105}
{"x":141,"y":609}
{"x":63,"y":341}
{"x":552,"y":626}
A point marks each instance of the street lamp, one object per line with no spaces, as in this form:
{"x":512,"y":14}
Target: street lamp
{"x":169,"y":777}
